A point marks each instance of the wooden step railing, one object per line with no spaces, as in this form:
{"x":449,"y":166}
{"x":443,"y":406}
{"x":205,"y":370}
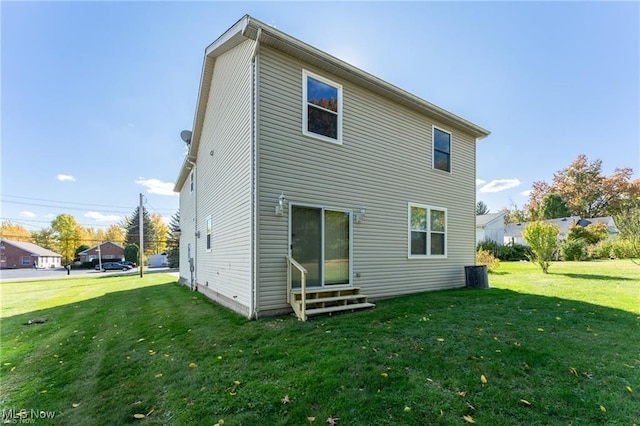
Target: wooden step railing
{"x":291,"y":262}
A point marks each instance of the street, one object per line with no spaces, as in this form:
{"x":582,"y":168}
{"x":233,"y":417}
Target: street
{"x":58,"y":273}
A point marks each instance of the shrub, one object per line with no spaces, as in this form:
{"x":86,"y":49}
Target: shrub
{"x":488,"y":245}
{"x":484,"y":257}
{"x":513,"y":253}
{"x":602,"y":250}
{"x":542,"y":239}
{"x":622,"y":249}
{"x":573,"y":250}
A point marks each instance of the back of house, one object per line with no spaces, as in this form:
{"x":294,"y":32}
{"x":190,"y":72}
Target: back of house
{"x":297,"y":154}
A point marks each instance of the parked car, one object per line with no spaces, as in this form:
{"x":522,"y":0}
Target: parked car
{"x":113,"y":266}
{"x":126,"y":262}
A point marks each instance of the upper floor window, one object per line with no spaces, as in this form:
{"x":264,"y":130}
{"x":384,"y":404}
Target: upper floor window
{"x":322,"y":108}
{"x":441,"y":150}
{"x":427,"y":231}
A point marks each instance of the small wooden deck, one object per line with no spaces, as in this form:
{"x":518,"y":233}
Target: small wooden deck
{"x":327,"y":300}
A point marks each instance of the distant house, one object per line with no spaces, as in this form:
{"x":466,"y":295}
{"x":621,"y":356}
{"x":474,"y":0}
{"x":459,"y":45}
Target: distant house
{"x":158,"y":260}
{"x":607,"y":220}
{"x":309,"y":182}
{"x":513,"y":231}
{"x":490,"y":227}
{"x":18,"y":254}
{"x":105,"y":251}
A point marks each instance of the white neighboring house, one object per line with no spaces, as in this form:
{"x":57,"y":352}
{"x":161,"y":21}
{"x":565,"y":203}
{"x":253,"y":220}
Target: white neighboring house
{"x":158,"y":260}
{"x":513,"y":231}
{"x":490,"y":227}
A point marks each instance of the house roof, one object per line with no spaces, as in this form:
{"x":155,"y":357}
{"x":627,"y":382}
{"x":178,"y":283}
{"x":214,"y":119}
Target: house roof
{"x":483,"y":220}
{"x":564,"y":223}
{"x":248,"y":28}
{"x":32,"y":248}
{"x":101,"y":244}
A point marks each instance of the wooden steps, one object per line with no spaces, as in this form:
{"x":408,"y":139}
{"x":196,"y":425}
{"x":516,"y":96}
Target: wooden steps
{"x":327,"y":300}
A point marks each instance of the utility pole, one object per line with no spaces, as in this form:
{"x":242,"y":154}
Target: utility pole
{"x":141,"y":227}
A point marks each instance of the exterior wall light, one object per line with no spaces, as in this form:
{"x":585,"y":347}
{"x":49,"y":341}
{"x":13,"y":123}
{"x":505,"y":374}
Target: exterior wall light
{"x":280,"y":206}
{"x":359,"y":216}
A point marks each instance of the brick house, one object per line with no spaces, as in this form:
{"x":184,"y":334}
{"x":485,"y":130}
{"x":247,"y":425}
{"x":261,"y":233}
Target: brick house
{"x":106,"y":250}
{"x":19,"y":254}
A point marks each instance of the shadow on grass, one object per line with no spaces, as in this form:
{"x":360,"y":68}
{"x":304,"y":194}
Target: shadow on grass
{"x":596,"y":277}
{"x":173,"y":354}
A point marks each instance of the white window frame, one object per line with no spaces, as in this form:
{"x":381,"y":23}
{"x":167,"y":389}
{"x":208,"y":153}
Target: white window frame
{"x":433,"y":148}
{"x":428,"y":254}
{"x":305,"y":75}
{"x":208,"y":242}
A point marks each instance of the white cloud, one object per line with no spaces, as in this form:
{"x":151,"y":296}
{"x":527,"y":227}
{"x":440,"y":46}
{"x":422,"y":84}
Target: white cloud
{"x":156,"y":186}
{"x":102,"y":217}
{"x":498,"y":185}
{"x":62,"y":177}
{"x":480,"y":182}
{"x":526,"y":193}
{"x":27,"y":214}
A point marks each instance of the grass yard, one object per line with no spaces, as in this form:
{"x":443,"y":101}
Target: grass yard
{"x":533,"y":350}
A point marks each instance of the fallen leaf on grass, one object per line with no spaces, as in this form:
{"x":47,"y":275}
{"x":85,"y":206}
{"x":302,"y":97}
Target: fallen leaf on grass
{"x":311,"y":419}
{"x":285,"y":400}
{"x":468,"y":419}
{"x":158,"y":375}
{"x":603,"y":409}
{"x":384,"y":374}
{"x":525,"y":403}
{"x":332,"y":420}
{"x":220,"y":423}
{"x":440,"y":339}
{"x":629,"y":389}
{"x":573,"y":371}
{"x":139,"y":416}
{"x":462,"y":393}
{"x":540,"y":329}
{"x":483,"y":380}
{"x":192,"y":365}
{"x":75,"y":405}
{"x":407,"y":409}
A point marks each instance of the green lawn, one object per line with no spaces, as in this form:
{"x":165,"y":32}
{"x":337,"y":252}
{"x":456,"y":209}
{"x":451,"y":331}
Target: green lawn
{"x":557,"y":349}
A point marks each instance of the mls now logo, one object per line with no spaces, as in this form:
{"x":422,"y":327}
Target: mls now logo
{"x":25,"y":416}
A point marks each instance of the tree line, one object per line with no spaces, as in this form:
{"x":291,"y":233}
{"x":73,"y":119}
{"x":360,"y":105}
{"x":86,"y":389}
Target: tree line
{"x":66,"y":237}
{"x":580,"y":189}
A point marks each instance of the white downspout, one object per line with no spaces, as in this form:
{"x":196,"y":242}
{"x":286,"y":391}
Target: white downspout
{"x":194,"y":284}
{"x":254,"y":204}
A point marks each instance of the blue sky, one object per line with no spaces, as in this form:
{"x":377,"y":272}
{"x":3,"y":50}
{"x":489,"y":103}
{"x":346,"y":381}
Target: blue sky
{"x":95,"y":94}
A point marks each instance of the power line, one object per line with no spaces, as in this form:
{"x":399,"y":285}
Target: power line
{"x":126,"y":208}
{"x":17,"y":220}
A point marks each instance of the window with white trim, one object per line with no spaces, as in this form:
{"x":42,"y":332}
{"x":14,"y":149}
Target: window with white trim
{"x":209,"y":233}
{"x":427,"y":231}
{"x":26,"y":260}
{"x":322,"y":108}
{"x":441,"y":149}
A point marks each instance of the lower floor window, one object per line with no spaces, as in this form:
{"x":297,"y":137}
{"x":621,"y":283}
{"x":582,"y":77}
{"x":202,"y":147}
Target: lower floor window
{"x":26,"y":260}
{"x":427,"y":231}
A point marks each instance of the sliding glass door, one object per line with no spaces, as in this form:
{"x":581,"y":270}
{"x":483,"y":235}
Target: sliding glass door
{"x":321,"y":242}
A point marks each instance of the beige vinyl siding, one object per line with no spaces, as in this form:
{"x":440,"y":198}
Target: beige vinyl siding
{"x":385,"y":163}
{"x":187,"y":229}
{"x":224,"y":180}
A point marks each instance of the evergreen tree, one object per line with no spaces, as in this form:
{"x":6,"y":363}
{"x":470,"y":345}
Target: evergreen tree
{"x":173,"y":242}
{"x":132,"y":228}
